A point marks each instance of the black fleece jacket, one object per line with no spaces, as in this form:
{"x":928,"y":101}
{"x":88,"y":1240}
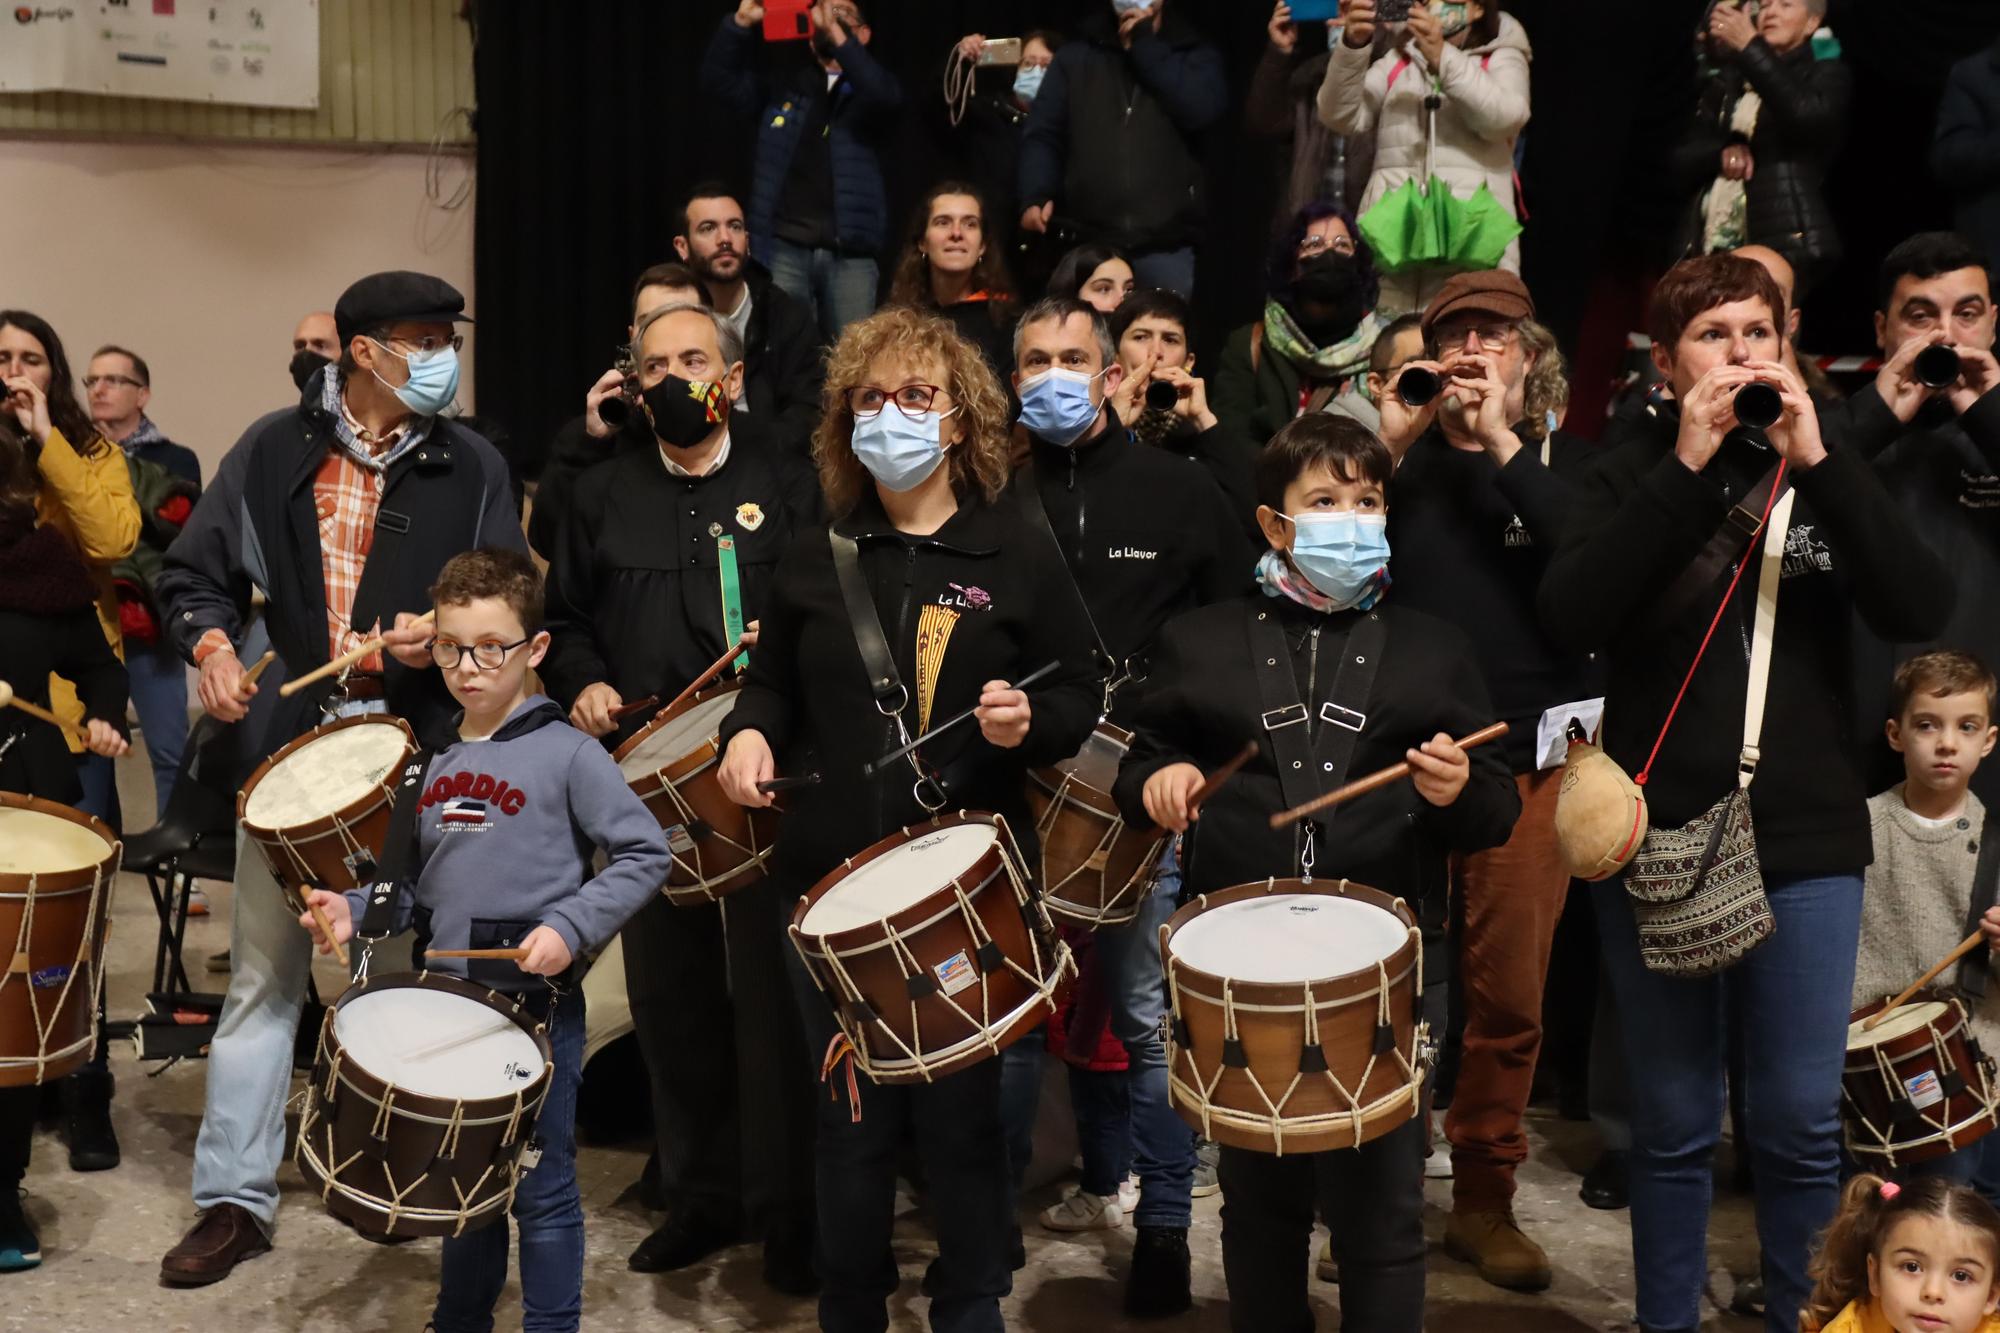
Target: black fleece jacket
{"x":997,"y":595}
{"x":1205,"y":703}
{"x":1644,"y":517}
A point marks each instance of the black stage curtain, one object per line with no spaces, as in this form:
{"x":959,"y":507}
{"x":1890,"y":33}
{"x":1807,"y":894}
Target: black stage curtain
{"x":591,"y":128}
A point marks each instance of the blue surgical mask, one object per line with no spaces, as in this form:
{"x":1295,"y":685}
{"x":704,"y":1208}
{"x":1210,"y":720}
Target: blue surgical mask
{"x":433,"y":382}
{"x":1028,"y":81}
{"x":1056,"y":405}
{"x":1344,"y":555}
{"x":900,"y":452}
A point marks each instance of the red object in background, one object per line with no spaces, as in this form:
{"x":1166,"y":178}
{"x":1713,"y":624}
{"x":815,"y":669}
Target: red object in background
{"x":176,"y":510}
{"x":164,"y":7}
{"x":787,"y":20}
{"x":135,"y":618}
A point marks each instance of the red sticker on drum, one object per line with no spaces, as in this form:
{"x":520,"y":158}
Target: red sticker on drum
{"x":955,"y":973}
{"x":1924,"y":1090}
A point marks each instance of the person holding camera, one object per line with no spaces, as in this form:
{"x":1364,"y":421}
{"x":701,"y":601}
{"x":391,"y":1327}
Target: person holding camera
{"x":1482,"y":494}
{"x":825,"y":113}
{"x":1931,"y":423}
{"x":1113,"y":141}
{"x":1656,"y":506}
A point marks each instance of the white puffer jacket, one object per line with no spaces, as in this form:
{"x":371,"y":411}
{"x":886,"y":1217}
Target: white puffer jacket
{"x":1485,"y":107}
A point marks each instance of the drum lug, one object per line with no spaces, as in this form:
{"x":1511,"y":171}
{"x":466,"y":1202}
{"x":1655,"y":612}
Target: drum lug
{"x":531,"y":1155}
{"x":1427,"y":1048}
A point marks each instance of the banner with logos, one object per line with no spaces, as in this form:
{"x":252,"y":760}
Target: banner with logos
{"x":244,"y":52}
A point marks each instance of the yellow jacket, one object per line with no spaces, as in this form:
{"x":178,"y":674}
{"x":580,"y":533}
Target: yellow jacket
{"x":90,"y":501}
{"x":1863,"y":1317}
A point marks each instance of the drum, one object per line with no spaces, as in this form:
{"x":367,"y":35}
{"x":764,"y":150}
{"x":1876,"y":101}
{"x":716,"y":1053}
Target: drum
{"x":1915,"y":1086}
{"x":1294,"y":1015}
{"x":57,"y":868}
{"x":932,"y":947}
{"x":1096,"y":869}
{"x":424,"y":1094}
{"x":319,"y":806}
{"x":717,"y":845}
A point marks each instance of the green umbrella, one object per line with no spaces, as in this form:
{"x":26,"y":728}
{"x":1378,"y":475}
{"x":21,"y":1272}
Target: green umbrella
{"x":1413,"y":226}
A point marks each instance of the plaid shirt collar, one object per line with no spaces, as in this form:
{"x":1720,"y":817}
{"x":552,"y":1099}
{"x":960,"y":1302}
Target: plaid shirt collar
{"x":353,"y":436}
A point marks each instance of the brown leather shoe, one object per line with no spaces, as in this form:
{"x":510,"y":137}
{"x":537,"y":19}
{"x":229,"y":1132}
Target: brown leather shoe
{"x":1494,"y":1243}
{"x":226,"y":1235}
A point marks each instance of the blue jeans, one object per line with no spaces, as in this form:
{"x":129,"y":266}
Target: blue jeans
{"x":1790,"y":997}
{"x":160,"y":697}
{"x":1171,"y":269}
{"x":547,"y":1208}
{"x":839,"y":288}
{"x":1162,"y":1143}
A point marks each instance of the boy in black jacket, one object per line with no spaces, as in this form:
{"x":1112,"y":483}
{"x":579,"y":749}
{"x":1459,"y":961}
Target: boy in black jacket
{"x":1322,"y":483}
{"x":1647,"y":514}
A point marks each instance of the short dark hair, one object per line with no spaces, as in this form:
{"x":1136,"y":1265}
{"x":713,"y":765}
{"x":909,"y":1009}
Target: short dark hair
{"x":1703,"y":283}
{"x":1339,"y":443}
{"x":1385,"y":341}
{"x":1061,"y":309}
{"x":1925,"y":255}
{"x":1048,"y":37}
{"x":1945,"y":672}
{"x":708,"y":189}
{"x":669,"y":274}
{"x":139,"y":368}
{"x":1152,"y":303}
{"x":496,"y":572}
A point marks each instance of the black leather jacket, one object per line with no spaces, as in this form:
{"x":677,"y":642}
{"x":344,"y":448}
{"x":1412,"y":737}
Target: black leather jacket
{"x":1799,"y":128}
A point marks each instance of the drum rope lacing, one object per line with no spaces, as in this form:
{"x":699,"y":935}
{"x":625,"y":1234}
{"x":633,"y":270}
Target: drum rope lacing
{"x":1942,"y":1131}
{"x":1147,"y":874}
{"x":704,"y":885}
{"x":22,"y":966}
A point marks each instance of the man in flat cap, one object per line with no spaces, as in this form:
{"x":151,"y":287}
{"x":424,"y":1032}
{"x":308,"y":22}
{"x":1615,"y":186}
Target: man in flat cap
{"x":1480,"y":498}
{"x":340,"y":511}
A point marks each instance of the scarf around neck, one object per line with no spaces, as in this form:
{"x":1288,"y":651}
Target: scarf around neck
{"x":1279,"y":577}
{"x":1345,"y":361}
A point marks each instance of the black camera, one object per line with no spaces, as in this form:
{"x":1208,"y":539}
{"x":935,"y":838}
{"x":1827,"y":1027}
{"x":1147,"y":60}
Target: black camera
{"x":1937,"y":367}
{"x":616,"y":410}
{"x":1759,"y":406}
{"x":1417,"y":386}
{"x":1161,"y":396}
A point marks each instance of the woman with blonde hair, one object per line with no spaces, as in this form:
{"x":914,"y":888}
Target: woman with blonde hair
{"x":912,"y":451}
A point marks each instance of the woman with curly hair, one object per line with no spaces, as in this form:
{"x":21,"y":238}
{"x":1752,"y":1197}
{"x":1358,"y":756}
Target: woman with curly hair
{"x":952,"y":268}
{"x":912,"y":452}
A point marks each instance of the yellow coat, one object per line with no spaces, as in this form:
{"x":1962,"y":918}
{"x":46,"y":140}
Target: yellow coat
{"x":90,"y":501}
{"x":1862,"y":1316}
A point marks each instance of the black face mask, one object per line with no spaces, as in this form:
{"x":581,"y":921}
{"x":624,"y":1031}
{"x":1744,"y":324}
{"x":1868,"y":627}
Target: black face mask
{"x":822,"y":46}
{"x":685,"y":411}
{"x":1329,"y":297}
{"x":304,"y":362}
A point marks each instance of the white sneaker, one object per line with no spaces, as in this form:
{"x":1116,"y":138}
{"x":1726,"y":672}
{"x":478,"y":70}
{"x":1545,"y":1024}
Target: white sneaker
{"x":1083,"y":1211}
{"x":1438,"y":1165}
{"x":1128,"y":1194}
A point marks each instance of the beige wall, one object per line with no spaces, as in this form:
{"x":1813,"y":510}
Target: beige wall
{"x":201,"y":258}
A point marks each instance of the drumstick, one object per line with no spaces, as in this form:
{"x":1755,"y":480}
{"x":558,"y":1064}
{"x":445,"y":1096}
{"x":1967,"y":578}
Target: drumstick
{"x":257,"y":669}
{"x":776,"y":785}
{"x":326,"y":930}
{"x":344,"y":661}
{"x":7,"y":696}
{"x":1220,"y":776}
{"x":455,"y":1040}
{"x":714,"y":670}
{"x":623,"y":711}
{"x":508,"y":955}
{"x":1379,"y":778}
{"x":1965,"y":946}
{"x":869,"y":770}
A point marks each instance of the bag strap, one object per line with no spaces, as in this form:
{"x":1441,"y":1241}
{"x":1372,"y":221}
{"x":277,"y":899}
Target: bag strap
{"x":1985,"y":873}
{"x":1309,"y":767}
{"x":866,"y":622}
{"x":1038,"y":512}
{"x":1770,"y":574}
{"x":1702,"y":651}
{"x":1728,"y":542}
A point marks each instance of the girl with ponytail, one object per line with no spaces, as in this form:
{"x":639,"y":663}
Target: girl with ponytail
{"x":1917,"y":1258}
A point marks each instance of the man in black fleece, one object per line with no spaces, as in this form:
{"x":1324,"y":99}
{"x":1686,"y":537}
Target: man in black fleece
{"x":1146,"y":535}
{"x":1647,"y":513}
{"x":1478,"y":506}
{"x":1937,"y":451}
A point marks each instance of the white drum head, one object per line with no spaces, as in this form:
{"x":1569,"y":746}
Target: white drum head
{"x":901,"y":877}
{"x":34,"y":843}
{"x":1899,"y":1022}
{"x":325,"y":775}
{"x":1288,"y":937}
{"x":437,"y":1044}
{"x":674,"y":740}
{"x":1096,"y":764}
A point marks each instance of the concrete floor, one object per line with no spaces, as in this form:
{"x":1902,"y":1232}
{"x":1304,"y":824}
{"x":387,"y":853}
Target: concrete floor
{"x":103,"y":1234}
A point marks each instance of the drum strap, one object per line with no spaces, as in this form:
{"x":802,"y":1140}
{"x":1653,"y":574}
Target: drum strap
{"x":883,"y":681}
{"x":1310,"y":766}
{"x":1031,"y":500}
{"x":1972,"y":970}
{"x":402,"y":854}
